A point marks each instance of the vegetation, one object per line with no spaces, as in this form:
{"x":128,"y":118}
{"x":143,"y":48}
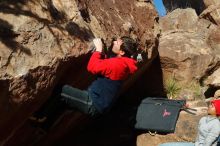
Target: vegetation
{"x":191,"y":91}
{"x":172,"y":88}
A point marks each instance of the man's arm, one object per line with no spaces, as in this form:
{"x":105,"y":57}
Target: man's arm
{"x":96,"y":64}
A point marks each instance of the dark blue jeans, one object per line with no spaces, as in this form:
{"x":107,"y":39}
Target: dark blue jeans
{"x":79,"y":99}
{"x":218,"y":144}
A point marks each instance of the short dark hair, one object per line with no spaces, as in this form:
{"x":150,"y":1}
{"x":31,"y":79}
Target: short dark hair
{"x":129,"y":46}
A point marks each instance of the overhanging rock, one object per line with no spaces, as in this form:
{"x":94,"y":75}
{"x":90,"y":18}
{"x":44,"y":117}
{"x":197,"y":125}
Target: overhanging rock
{"x":44,"y":43}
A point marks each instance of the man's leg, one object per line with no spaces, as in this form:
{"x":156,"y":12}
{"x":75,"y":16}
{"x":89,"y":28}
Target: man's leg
{"x":76,"y":98}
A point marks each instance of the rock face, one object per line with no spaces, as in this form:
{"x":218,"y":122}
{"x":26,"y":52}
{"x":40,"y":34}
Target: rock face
{"x":210,"y":2}
{"x":212,"y":76}
{"x":189,"y":49}
{"x":214,"y":80}
{"x":45,"y":43}
{"x":212,"y":11}
{"x":171,"y":5}
{"x":214,"y":41}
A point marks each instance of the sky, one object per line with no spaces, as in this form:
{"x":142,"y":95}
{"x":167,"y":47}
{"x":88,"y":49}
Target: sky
{"x":160,"y":7}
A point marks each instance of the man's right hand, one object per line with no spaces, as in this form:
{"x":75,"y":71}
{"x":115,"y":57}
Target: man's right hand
{"x":98,"y":44}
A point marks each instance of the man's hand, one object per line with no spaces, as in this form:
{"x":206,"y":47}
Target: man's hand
{"x":98,"y":44}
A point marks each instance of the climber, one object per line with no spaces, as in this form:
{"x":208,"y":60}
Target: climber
{"x":102,"y":93}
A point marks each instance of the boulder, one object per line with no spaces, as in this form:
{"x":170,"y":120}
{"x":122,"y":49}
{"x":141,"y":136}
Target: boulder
{"x":184,"y":51}
{"x":45,"y":43}
{"x":211,"y":78}
{"x":214,"y":41}
{"x":214,"y":80}
{"x":208,"y":3}
{"x":174,"y":21}
{"x":212,"y":11}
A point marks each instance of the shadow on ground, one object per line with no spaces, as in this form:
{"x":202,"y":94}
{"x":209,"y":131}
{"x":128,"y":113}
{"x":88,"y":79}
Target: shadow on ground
{"x":114,"y":129}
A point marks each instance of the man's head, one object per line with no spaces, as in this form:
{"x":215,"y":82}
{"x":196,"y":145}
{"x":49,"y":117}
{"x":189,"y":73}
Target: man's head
{"x":214,"y":107}
{"x":217,"y":94}
{"x":124,"y":46}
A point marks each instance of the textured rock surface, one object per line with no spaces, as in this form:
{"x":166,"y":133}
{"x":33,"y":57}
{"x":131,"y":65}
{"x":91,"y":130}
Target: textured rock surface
{"x":212,"y":11}
{"x":214,"y":41}
{"x":214,"y":79}
{"x":44,"y":43}
{"x":185,"y":47}
{"x":210,"y":2}
{"x":173,"y":21}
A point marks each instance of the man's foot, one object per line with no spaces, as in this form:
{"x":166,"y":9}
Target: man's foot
{"x":32,"y":118}
{"x":41,"y":120}
{"x":38,"y":120}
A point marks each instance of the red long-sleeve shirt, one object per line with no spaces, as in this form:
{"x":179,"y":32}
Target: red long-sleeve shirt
{"x":117,"y":68}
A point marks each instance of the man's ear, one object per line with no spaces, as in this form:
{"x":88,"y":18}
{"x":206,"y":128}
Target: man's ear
{"x":122,"y":52}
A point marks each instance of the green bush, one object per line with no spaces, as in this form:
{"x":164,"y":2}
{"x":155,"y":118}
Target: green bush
{"x":172,"y":88}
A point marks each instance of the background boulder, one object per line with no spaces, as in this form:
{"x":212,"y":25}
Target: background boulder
{"x":189,"y":50}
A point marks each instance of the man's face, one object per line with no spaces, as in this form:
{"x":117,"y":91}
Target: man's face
{"x":116,"y":46}
{"x":211,"y":109}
